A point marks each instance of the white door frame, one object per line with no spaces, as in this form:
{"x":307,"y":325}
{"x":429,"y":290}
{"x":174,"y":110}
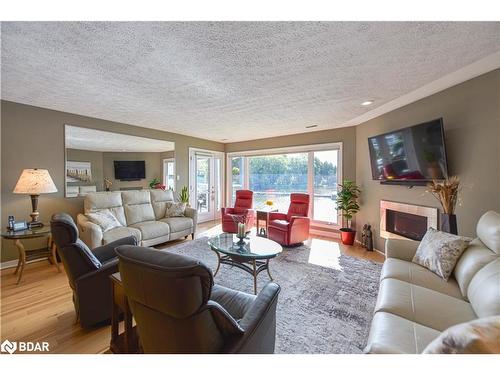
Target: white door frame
{"x":216,"y":214}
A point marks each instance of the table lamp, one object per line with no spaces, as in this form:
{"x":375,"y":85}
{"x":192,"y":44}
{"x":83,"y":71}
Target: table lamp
{"x":35,"y":182}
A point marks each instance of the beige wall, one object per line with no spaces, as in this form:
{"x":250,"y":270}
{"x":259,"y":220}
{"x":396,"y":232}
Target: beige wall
{"x":34,"y":137}
{"x":471,"y":113}
{"x":152,"y":161}
{"x":345,"y":135}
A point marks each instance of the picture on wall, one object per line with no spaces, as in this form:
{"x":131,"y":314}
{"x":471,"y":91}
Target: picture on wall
{"x":78,"y":171}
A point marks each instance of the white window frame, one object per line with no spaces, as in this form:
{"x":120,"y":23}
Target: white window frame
{"x":165,"y":172}
{"x":310,"y":149}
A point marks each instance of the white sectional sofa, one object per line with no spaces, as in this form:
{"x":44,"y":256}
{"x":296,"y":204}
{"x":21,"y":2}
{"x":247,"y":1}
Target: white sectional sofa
{"x":141,"y":214}
{"x":415,"y":305}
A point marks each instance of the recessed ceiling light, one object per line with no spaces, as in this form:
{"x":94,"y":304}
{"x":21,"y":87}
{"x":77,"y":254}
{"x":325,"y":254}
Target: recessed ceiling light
{"x":368,"y":102}
{"x":311,"y":126}
{"x":224,"y":139}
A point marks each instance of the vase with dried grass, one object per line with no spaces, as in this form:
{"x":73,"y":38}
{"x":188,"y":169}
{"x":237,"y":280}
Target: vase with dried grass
{"x":447,"y":193}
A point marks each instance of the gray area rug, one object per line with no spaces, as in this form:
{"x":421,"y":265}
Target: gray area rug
{"x":320,"y":309}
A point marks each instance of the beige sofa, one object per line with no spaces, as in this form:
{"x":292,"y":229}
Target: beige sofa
{"x":414,"y":305}
{"x":142,"y":214}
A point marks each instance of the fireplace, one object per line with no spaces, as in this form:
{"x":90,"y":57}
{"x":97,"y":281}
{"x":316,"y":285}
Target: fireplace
{"x":406,"y":221}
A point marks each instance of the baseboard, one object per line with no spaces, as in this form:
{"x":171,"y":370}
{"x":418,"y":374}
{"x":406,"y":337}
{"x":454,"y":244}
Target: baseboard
{"x":13,"y":263}
{"x":325,"y":233}
{"x":374,"y":249}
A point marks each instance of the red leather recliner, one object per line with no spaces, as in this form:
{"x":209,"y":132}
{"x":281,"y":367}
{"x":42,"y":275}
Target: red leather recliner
{"x":242,"y":207}
{"x":293,"y":227}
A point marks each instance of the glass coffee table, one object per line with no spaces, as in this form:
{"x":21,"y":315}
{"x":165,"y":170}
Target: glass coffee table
{"x":252,"y":255}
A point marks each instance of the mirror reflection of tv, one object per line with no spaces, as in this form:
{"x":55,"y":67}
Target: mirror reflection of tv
{"x":130,"y":170}
{"x":415,"y":153}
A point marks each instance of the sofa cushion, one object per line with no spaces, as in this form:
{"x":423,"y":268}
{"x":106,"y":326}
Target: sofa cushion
{"x":390,"y":333}
{"x":481,"y":336}
{"x":421,"y":305}
{"x":280,"y":225}
{"x":159,"y":200}
{"x":484,"y":290}
{"x":152,"y":229}
{"x":138,"y":207}
{"x":106,"y":200}
{"x":475,"y":257}
{"x":120,"y":232}
{"x":488,"y":230}
{"x":439,"y":251}
{"x":178,"y":224}
{"x":418,"y":275}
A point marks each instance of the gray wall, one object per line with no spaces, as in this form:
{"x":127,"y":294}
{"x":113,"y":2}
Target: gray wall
{"x":471,"y":113}
{"x":34,"y":137}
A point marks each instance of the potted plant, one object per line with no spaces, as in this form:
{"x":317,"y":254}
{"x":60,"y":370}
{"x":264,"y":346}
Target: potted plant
{"x":347,"y":203}
{"x":446,"y":192}
{"x":184,"y":195}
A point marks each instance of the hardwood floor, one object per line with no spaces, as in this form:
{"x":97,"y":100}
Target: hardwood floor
{"x":40,"y":307}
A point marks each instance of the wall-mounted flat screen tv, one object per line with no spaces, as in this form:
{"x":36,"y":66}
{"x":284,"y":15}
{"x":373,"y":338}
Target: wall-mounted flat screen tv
{"x":416,"y":153}
{"x":130,"y":170}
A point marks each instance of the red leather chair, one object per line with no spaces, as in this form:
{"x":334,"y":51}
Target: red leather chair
{"x":291,"y":228}
{"x":242,"y":207}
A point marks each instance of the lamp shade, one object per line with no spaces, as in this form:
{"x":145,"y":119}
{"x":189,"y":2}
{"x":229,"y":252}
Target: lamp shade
{"x":34,"y":182}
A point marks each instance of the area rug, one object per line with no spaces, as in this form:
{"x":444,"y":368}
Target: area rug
{"x":320,"y":309}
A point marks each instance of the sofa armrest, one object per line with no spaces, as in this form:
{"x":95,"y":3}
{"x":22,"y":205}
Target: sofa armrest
{"x":277,"y":216}
{"x":299,"y":220}
{"x":227,"y":210}
{"x":90,"y":233}
{"x":107,"y":252}
{"x":401,"y":249}
{"x":193,"y":214}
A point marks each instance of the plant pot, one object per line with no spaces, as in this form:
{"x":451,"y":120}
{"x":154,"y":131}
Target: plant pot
{"x":449,"y":223}
{"x":347,"y":236}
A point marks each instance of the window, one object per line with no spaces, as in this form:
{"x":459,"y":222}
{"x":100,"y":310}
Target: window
{"x":273,"y":175}
{"x":169,"y":173}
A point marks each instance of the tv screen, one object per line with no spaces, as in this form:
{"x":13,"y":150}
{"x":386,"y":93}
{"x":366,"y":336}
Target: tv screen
{"x":416,"y":153}
{"x":130,"y":170}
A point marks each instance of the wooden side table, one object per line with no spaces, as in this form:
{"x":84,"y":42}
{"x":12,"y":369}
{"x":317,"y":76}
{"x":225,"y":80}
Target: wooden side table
{"x":262,"y":221}
{"x":25,"y":255}
{"x":126,"y":342}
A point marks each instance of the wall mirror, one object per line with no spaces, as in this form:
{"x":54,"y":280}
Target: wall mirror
{"x":98,"y":160}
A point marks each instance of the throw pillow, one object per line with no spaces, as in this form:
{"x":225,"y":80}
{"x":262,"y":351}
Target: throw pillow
{"x":105,"y":219}
{"x":175,"y":209}
{"x":439,"y":252}
{"x":480,"y":336}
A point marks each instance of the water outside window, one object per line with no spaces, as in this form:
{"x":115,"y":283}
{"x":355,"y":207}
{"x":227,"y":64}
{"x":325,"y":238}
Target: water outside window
{"x":274,"y":177}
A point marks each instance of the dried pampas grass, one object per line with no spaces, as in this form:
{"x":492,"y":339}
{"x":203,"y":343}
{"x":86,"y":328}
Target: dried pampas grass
{"x":446,"y":192}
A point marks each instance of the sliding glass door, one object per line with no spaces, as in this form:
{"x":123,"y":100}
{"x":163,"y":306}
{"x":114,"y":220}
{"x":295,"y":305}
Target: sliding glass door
{"x":274,"y":174}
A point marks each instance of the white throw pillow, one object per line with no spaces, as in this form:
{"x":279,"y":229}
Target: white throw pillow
{"x":175,"y":209}
{"x":439,"y":252}
{"x":105,"y":219}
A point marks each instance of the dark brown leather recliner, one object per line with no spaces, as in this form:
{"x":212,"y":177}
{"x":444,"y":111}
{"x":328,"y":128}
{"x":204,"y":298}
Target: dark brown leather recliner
{"x":88,"y":270}
{"x":178,"y":309}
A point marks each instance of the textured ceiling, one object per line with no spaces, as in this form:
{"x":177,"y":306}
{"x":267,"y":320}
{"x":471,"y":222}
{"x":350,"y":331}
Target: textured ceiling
{"x":98,"y":140}
{"x":231,"y":81}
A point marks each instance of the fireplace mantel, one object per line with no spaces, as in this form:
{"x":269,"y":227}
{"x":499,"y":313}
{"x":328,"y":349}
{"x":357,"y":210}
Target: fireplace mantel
{"x":430,"y":213}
